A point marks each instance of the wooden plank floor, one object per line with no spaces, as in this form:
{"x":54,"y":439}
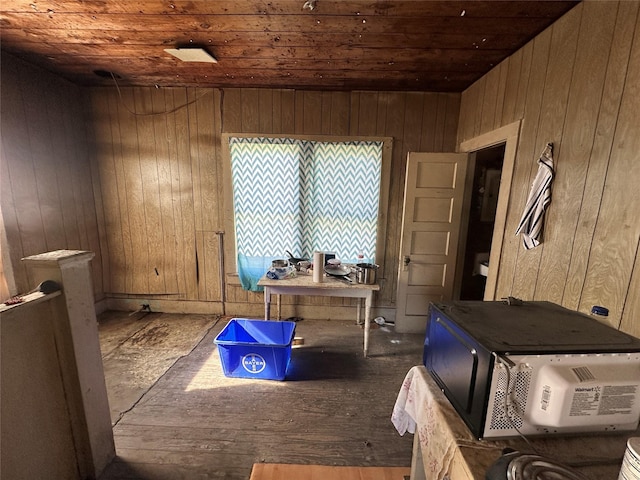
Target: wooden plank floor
{"x":333,"y":409}
{"x":138,"y":349}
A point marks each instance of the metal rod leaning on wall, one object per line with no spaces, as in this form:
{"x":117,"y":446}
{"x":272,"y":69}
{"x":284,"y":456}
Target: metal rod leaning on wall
{"x":221,"y":269}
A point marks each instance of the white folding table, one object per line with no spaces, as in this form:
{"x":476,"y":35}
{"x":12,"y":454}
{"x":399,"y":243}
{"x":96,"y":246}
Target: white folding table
{"x":303,"y":284}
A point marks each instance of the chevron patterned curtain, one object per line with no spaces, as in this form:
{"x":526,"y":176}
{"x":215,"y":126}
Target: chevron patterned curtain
{"x":301,"y":196}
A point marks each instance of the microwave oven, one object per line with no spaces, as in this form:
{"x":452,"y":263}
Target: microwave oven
{"x":532,"y":368}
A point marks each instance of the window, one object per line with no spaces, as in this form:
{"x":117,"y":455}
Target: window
{"x":298,"y":196}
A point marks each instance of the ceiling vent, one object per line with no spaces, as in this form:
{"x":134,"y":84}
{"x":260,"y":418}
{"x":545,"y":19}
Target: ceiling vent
{"x":191,"y":55}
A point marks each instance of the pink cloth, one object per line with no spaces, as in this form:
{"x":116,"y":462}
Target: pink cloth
{"x":421,"y":406}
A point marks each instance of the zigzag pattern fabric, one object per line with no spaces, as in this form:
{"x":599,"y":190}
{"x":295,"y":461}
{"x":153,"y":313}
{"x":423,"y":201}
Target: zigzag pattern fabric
{"x":266,"y":196}
{"x":341,"y":192}
{"x":301,"y":196}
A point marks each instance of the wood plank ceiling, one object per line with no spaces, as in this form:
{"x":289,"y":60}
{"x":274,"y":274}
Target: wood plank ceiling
{"x":420,"y":45}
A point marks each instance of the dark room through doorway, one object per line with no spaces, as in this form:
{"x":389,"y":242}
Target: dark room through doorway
{"x":482,"y":213}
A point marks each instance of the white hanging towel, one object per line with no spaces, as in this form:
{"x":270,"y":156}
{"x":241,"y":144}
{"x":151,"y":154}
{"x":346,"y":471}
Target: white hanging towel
{"x":539,"y":198}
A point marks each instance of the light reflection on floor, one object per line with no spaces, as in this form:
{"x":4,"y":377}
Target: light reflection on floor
{"x":210,"y":376}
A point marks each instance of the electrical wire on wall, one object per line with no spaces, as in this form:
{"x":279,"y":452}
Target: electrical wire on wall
{"x":150,"y":114}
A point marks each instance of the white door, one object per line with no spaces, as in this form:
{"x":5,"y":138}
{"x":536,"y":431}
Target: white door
{"x":434,"y":192}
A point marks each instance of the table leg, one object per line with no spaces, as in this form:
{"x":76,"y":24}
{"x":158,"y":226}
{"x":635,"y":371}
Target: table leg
{"x":267,"y":303}
{"x":279,"y":307}
{"x":359,"y":312}
{"x":367,"y":322}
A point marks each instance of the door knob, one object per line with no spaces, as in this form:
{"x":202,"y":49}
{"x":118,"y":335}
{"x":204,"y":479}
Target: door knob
{"x":407,"y":259}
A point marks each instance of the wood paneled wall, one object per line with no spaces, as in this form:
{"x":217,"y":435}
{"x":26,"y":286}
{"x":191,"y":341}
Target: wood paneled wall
{"x":156,"y":157}
{"x":577,"y":85}
{"x":416,"y":121}
{"x":161,"y":182}
{"x":143,"y":191}
{"x":47,"y":195}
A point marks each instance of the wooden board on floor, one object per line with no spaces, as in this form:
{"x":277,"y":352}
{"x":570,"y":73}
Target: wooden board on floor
{"x":281,"y":471}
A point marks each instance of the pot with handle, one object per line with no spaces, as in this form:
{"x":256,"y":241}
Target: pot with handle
{"x":294,"y":260}
{"x":366,"y":273}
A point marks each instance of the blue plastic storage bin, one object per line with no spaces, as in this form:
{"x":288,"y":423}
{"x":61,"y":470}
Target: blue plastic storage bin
{"x":255,"y":348}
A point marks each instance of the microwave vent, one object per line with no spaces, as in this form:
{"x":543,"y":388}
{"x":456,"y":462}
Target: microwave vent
{"x":515,"y":396}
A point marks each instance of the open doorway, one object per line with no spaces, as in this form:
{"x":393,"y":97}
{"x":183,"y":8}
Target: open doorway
{"x":507,"y":136}
{"x":482,"y":215}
